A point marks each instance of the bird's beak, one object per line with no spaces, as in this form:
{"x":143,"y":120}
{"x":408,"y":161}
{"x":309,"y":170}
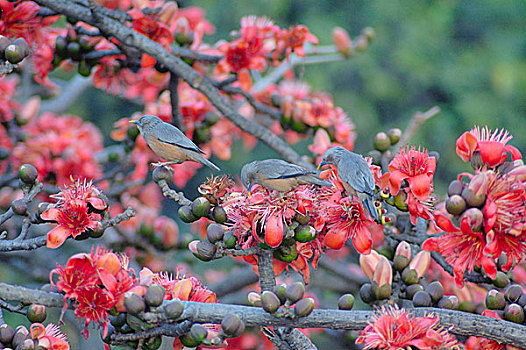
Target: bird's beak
{"x":249,"y":193}
{"x":321,"y":164}
{"x":136,"y":122}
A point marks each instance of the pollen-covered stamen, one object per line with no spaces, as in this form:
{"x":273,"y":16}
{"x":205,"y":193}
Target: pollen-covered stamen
{"x":75,"y":217}
{"x":485,"y":134}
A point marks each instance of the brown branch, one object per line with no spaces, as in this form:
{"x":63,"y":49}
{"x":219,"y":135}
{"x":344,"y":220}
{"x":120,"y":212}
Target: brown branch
{"x":129,"y":37}
{"x":417,"y":120}
{"x":177,"y":118}
{"x":172,"y":194}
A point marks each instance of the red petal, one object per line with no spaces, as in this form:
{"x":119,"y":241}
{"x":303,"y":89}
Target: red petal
{"x":490,"y":217}
{"x":274,"y":230}
{"x":431,"y":165}
{"x":491,"y":152}
{"x":335,"y":240}
{"x":362,"y":241}
{"x":489,"y":267}
{"x":515,"y":153}
{"x":56,"y":237}
{"x":97,"y":203}
{"x":395,"y":181}
{"x":444,"y":222}
{"x":431,"y":244}
{"x":50,"y":214}
{"x":420,"y":186}
{"x":466,"y":144}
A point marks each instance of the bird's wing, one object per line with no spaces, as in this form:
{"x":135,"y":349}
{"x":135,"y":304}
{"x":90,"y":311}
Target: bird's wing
{"x":354,"y":170}
{"x":279,"y":169}
{"x":168,"y":133}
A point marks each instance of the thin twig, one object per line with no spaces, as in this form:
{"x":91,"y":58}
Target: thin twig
{"x":417,"y":120}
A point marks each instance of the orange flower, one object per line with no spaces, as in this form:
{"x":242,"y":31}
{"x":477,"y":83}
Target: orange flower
{"x":491,"y":145}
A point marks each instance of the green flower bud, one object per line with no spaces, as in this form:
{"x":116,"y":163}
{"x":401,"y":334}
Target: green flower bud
{"x":514,"y":313}
{"x":198,"y":332}
{"x":13,"y":53}
{"x":411,"y":290}
{"x":189,"y":341}
{"x":186,"y":214}
{"x":27,"y":173}
{"x":394,"y":135}
{"x":201,"y":207}
{"x":118,"y":320}
{"x":435,"y":290}
{"x":495,"y":300}
{"x":134,"y":303}
{"x":381,"y":142}
{"x":36,"y":313}
{"x":173,"y":309}
{"x":501,"y":280}
{"x":73,"y":50}
{"x":455,"y":187}
{"x":473,"y":200}
{"x":19,"y":207}
{"x":6,"y":333}
{"x":305,"y":233}
{"x":513,"y":293}
{"x":286,"y":253}
{"x":232,"y":325}
{"x":23,"y":45}
{"x":409,"y":276}
{"x":270,"y":302}
{"x":366,"y":293}
{"x":219,"y":214}
{"x":346,"y":302}
{"x":154,"y":295}
{"x":304,"y":307}
{"x":400,"y":262}
{"x":455,"y":204}
{"x":215,"y":233}
{"x":422,"y":299}
{"x":295,"y":292}
{"x":229,"y":239}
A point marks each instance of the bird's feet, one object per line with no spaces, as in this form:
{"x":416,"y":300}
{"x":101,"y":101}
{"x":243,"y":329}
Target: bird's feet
{"x":166,"y":165}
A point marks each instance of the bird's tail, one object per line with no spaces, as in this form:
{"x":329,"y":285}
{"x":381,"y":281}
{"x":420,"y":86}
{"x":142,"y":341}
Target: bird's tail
{"x":369,"y":204}
{"x":209,"y":164}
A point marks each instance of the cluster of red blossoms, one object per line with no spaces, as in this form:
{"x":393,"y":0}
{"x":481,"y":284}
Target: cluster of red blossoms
{"x":96,"y":282}
{"x":497,"y":226}
{"x":258,"y":39}
{"x":393,"y":328}
{"x":77,"y":210}
{"x":48,"y":337}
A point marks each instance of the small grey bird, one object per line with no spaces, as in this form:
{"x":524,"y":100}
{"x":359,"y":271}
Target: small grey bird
{"x":169,"y":143}
{"x":355,"y":174}
{"x":279,"y":175}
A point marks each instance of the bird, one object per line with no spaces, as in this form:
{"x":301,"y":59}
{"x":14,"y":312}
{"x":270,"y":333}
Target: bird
{"x":279,"y":175}
{"x":356,"y":175}
{"x":169,"y":143}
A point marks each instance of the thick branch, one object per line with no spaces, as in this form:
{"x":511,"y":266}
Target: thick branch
{"x":131,"y":38}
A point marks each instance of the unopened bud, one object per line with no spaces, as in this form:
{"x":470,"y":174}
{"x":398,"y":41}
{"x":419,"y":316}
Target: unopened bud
{"x":495,"y":300}
{"x":36,"y":313}
{"x":304,"y":307}
{"x":411,"y":290}
{"x":501,"y":280}
{"x":382,"y":142}
{"x":27,"y":173}
{"x":383,"y":274}
{"x":400,"y":200}
{"x":173,"y":309}
{"x":366,"y":293}
{"x":368,"y":263}
{"x":395,"y":135}
{"x":186,"y":214}
{"x":422,"y":299}
{"x":200,"y":207}
{"x":254,"y":298}
{"x":513,"y":293}
{"x":13,"y":53}
{"x":161,"y":173}
{"x":295,"y":292}
{"x":232,"y":325}
{"x":409,"y":276}
{"x":215,"y":233}
{"x":134,"y":303}
{"x":455,"y":204}
{"x":219,"y":214}
{"x":230,"y":239}
{"x":455,"y":187}
{"x":270,"y":302}
{"x":403,"y":249}
{"x":280,"y":291}
{"x":305,"y":233}
{"x":420,"y":263}
{"x":472,"y":200}
{"x":154,"y":295}
{"x":205,"y":250}
{"x":19,"y":207}
{"x":435,"y":290}
{"x":6,"y":333}
{"x":346,"y":302}
{"x":514,"y":313}
{"x":198,"y":332}
{"x":474,"y":218}
{"x":341,"y":40}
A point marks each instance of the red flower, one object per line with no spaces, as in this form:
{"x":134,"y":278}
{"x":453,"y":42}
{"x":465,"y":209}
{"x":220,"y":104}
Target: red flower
{"x":78,"y":272}
{"x":491,"y":145}
{"x":7,"y":104}
{"x":462,"y":248}
{"x":418,"y":208}
{"x":19,"y":19}
{"x":49,"y":337}
{"x":93,"y":305}
{"x":414,"y":166}
{"x":292,"y":40}
{"x":393,"y":329}
{"x":346,"y":220}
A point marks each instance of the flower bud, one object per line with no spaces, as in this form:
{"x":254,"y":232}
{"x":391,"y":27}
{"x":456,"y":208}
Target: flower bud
{"x":446,"y":303}
{"x":274,"y":230}
{"x":301,"y":218}
{"x":13,"y":53}
{"x":173,"y":309}
{"x":522,"y":300}
{"x":409,"y":276}
{"x":36,"y":313}
{"x":472,"y":200}
{"x":21,"y":334}
{"x":400,"y":262}
{"x":200,"y":207}
{"x":381,"y":142}
{"x":161,"y":173}
{"x":381,"y":292}
{"x":28,"y":344}
{"x":295,"y":292}
{"x":232,"y":325}
{"x":19,"y":207}
{"x":27,"y":173}
{"x":420,"y":263}
{"x":368,"y":263}
{"x":205,"y":250}
{"x":422,"y":299}
{"x":61,"y":47}
{"x":305,"y":233}
{"x":4,"y":42}
{"x":366,"y":293}
{"x":341,"y":40}
{"x":229,"y":239}
{"x":455,"y":204}
{"x":435,"y":290}
{"x":280,"y":291}
{"x":403,"y":249}
{"x":198,"y":332}
{"x":133,"y":303}
{"x":219,"y":214}
{"x":514,"y":313}
{"x":304,"y":307}
{"x":495,"y":300}
{"x":513,"y":293}
{"x":383,"y":274}
{"x":6,"y":333}
{"x":186,"y":214}
{"x":286,"y":253}
{"x":254,"y":298}
{"x":501,"y":280}
{"x":23,"y":45}
{"x":214,"y":233}
{"x":455,"y":188}
{"x":118,"y":320}
{"x":135,"y":323}
{"x":346,"y":302}
{"x":188,"y":341}
{"x":474,"y":217}
{"x":270,"y":302}
{"x":400,"y":201}
{"x":411,"y":290}
{"x":395,"y":135}
{"x":73,"y":50}
{"x":154,"y":295}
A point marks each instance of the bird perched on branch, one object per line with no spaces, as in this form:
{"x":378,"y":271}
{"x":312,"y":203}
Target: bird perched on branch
{"x":169,"y":143}
{"x":279,"y":175}
{"x":356,"y":175}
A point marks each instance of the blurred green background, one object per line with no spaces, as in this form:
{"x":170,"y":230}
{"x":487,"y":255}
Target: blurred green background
{"x":468,"y":57}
